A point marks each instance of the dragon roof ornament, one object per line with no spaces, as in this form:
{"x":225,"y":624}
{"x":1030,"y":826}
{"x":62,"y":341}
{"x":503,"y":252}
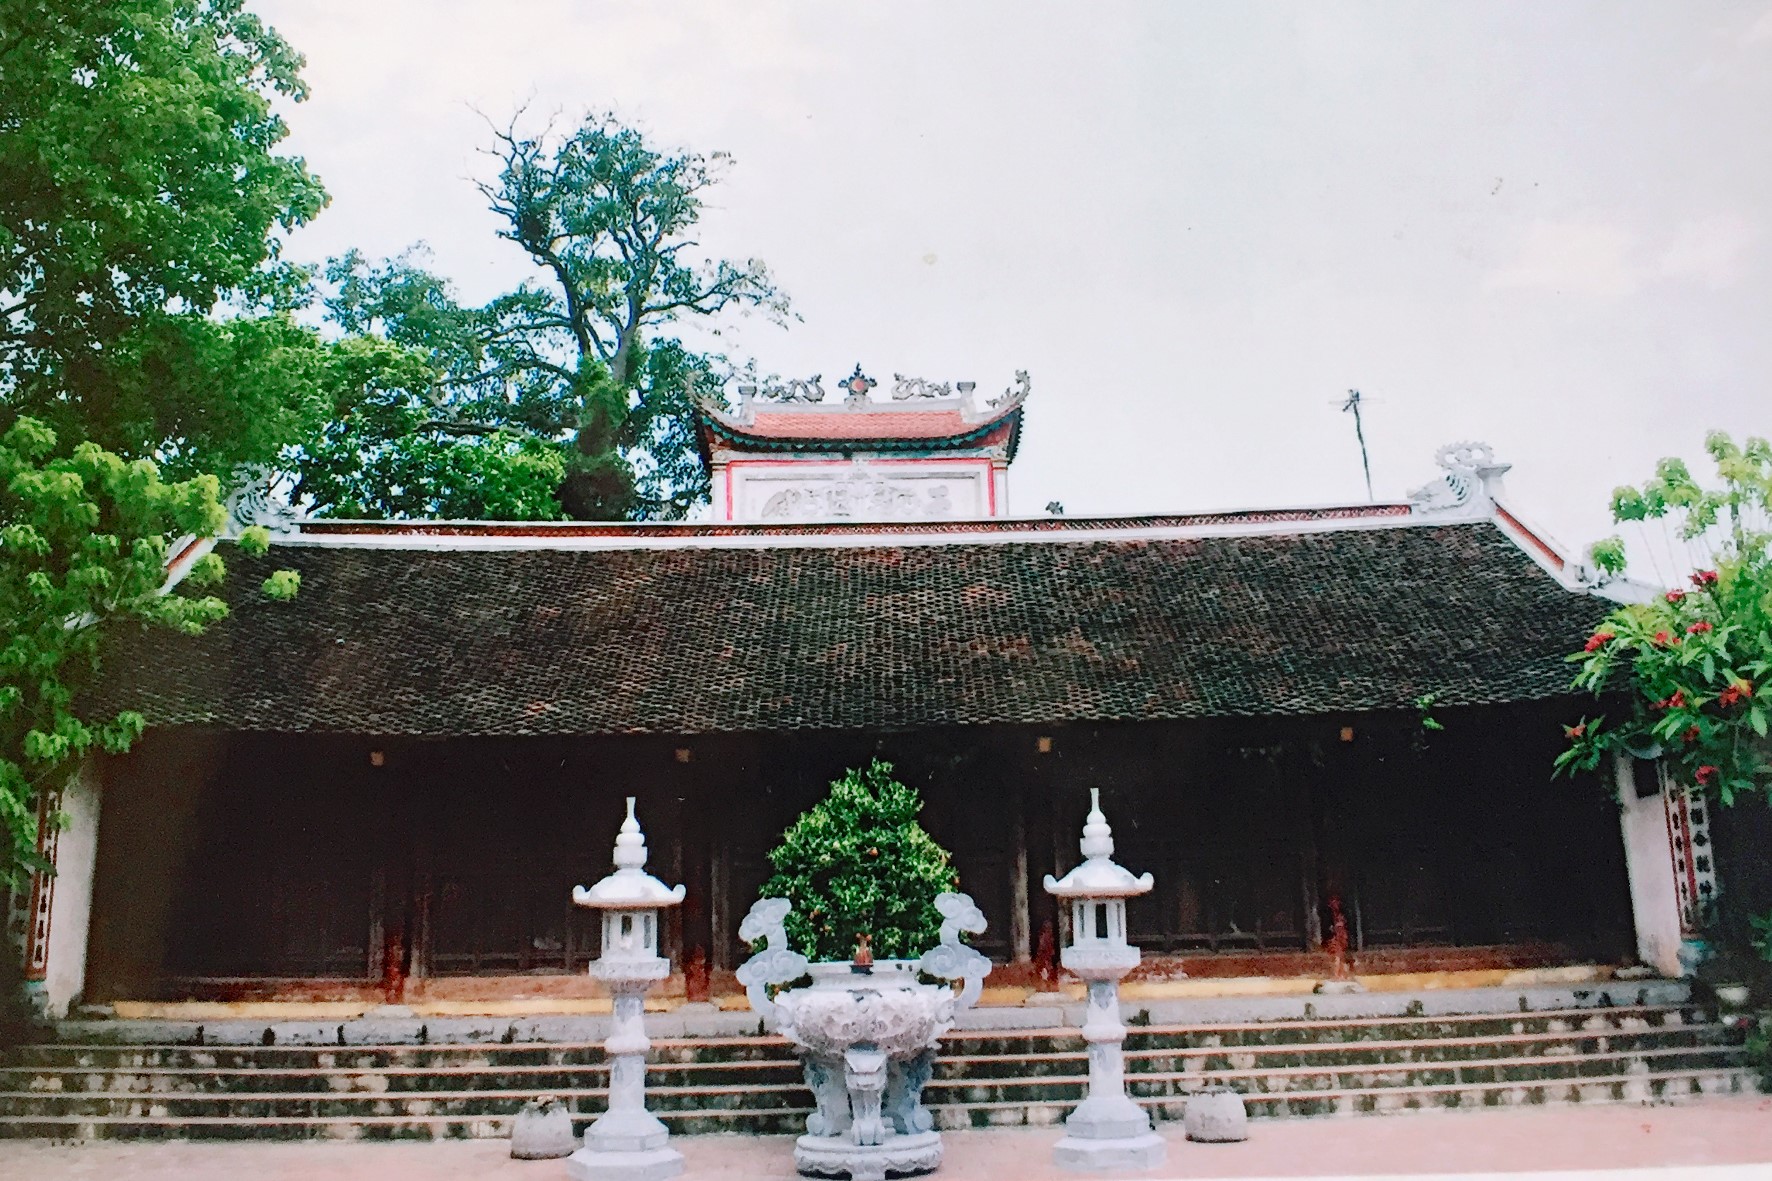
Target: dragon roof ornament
{"x":1471,"y":479}
{"x":857,"y":390}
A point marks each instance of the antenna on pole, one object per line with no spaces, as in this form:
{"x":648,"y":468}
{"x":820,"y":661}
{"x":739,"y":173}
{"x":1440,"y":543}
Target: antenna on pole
{"x":1353,"y":404}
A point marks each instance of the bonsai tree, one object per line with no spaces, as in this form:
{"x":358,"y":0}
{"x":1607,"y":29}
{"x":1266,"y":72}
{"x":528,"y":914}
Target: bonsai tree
{"x":860,"y":864}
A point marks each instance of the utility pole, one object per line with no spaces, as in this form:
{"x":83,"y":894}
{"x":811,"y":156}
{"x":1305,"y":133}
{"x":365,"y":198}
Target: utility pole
{"x":1353,"y":404}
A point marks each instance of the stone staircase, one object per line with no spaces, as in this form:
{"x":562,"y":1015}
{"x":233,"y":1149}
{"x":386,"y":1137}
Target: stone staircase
{"x":1645,"y":1052}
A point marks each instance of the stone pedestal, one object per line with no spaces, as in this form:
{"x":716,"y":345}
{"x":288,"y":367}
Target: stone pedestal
{"x":1107,"y":1132}
{"x":838,"y":1156}
{"x":627,"y":1142}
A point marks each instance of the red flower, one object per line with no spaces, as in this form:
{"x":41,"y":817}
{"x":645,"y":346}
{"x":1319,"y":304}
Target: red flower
{"x":1705,"y":578}
{"x":1705,"y":774}
{"x":1675,"y":596}
{"x":1573,"y":732}
{"x":1599,"y":640}
{"x":1737,"y":691}
{"x":1677,"y":701}
{"x":1690,"y":736}
{"x":1663,"y":639}
{"x":1703,"y":625}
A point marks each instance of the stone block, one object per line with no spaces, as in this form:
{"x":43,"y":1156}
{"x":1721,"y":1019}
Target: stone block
{"x":1130,"y":1155}
{"x":1216,"y":1116}
{"x":542,"y":1131}
{"x":660,"y":1164}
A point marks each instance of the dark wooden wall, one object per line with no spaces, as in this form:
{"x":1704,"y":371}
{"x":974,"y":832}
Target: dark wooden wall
{"x":376,"y":860}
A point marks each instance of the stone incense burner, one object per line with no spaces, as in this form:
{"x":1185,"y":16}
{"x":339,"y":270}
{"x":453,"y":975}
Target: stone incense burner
{"x":867,"y":1040}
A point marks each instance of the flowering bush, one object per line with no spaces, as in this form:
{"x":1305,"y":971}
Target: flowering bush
{"x":1695,"y":660}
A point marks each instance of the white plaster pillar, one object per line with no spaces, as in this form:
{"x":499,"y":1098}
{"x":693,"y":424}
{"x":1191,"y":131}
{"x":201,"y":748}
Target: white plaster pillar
{"x":719,"y":493}
{"x":59,"y":905}
{"x":1649,"y":859}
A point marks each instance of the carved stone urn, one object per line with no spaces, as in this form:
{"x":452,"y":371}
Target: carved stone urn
{"x":866,"y":1038}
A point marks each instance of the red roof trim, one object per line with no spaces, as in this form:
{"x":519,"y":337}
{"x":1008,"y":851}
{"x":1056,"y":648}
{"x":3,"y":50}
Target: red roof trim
{"x":1536,"y":542}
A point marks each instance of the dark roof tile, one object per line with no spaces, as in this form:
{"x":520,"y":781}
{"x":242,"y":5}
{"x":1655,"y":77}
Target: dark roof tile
{"x":695,"y":640}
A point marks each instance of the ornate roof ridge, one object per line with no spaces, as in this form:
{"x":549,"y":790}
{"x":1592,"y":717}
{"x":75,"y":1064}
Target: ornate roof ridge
{"x":912,"y":398}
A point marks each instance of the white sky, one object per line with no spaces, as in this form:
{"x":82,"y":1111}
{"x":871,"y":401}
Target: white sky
{"x":1543,"y":226}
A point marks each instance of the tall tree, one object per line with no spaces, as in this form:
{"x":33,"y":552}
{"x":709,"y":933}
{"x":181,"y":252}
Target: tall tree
{"x":145,"y":345}
{"x":579,"y":363}
{"x":140,"y":190}
{"x":83,"y":549}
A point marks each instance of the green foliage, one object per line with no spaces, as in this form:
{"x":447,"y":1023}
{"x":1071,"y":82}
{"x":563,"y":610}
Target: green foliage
{"x":281,"y":585}
{"x":83,"y":548}
{"x":1696,"y":660}
{"x":859,"y":863}
{"x":552,"y":399}
{"x":139,"y":191}
{"x":147,"y":344}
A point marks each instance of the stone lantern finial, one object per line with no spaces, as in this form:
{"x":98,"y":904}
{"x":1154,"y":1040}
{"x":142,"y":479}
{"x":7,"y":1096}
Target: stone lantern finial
{"x":630,"y":843}
{"x":1098,"y":834}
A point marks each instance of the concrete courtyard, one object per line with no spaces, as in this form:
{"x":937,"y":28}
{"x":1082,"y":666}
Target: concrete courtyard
{"x":1721,"y":1139}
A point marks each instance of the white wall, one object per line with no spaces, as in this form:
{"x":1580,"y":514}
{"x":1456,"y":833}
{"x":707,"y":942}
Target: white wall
{"x":70,"y":912}
{"x":1654,"y":897}
{"x":877,"y":489}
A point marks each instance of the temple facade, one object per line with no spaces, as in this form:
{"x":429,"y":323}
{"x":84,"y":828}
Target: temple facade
{"x":384,"y":790}
{"x":928,"y":454}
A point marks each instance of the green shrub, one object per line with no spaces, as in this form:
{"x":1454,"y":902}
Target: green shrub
{"x":859,"y":863}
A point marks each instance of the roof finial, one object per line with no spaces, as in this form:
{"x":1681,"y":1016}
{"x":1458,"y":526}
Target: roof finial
{"x":857,"y":385}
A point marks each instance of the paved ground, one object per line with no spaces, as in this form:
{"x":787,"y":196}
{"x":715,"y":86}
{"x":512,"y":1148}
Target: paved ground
{"x":1721,"y":1139}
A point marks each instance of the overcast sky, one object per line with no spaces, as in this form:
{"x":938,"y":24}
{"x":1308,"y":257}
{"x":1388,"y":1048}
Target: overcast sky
{"x":1196,"y":225}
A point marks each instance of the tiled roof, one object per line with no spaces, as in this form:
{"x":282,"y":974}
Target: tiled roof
{"x":882,"y":427}
{"x":693,"y":640}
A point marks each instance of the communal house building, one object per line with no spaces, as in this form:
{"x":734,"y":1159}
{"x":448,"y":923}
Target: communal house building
{"x":384,"y":790}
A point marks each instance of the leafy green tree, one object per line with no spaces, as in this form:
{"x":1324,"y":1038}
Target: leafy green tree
{"x":579,"y":362}
{"x":859,"y":863}
{"x":140,"y":193}
{"x":147,"y":344}
{"x":1694,"y":662}
{"x":83,"y":549}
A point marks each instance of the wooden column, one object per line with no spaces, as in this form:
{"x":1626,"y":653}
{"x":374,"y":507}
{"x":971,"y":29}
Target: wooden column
{"x":1021,"y":918}
{"x":694,"y":842}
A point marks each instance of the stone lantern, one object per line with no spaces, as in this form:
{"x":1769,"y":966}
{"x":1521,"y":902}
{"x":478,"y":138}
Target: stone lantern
{"x":627,"y":1142}
{"x":1108,"y":1131}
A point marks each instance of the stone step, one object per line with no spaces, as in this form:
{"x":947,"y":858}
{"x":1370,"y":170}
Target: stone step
{"x":984,"y":1078}
{"x":726,"y":1048}
{"x":1008,"y":1087}
{"x":1669,"y":1087}
{"x":1673,"y":1086}
{"x":556,"y":1076}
